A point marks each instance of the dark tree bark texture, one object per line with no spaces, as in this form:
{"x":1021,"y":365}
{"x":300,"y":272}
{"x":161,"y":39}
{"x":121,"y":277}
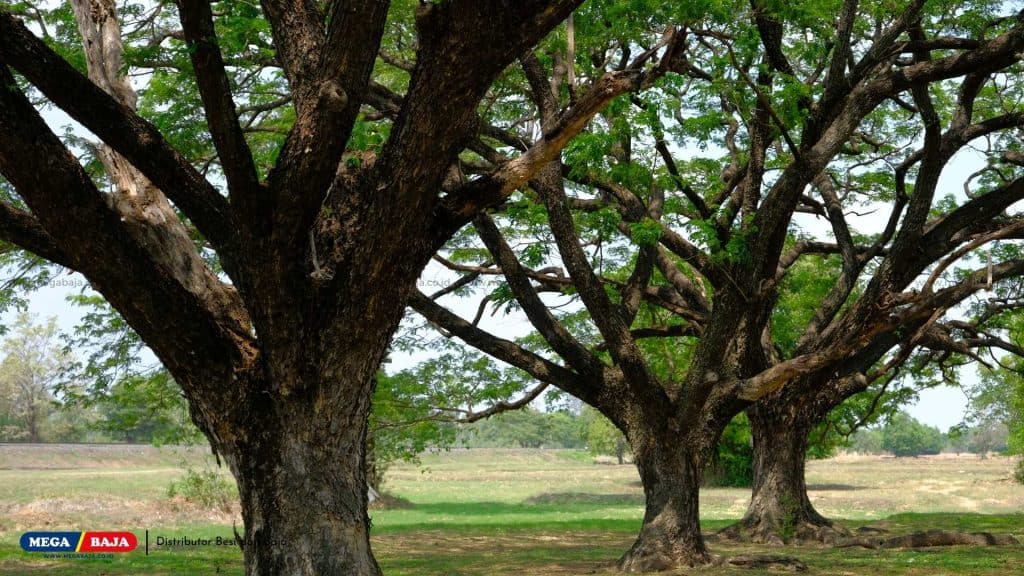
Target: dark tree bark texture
{"x":780,"y":510}
{"x":670,"y":535}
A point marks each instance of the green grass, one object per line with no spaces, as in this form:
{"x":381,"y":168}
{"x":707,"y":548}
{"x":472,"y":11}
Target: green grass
{"x":491,"y":512}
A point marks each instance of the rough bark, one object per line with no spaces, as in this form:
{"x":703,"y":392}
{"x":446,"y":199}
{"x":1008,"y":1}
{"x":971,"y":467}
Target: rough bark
{"x":301,"y":479}
{"x":670,"y":535}
{"x":780,"y":510}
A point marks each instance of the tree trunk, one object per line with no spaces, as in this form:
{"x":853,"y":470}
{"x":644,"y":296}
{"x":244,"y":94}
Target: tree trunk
{"x":670,"y":537}
{"x":32,"y":422}
{"x":302,"y":481}
{"x":374,"y":468}
{"x":780,"y":510}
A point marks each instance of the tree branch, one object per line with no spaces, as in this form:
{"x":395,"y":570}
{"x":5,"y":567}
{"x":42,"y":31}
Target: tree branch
{"x":96,"y":242}
{"x":495,"y":188}
{"x":23,"y":230}
{"x":127,"y":133}
{"x":504,"y":406}
{"x":553,"y":332}
{"x":603,"y":312}
{"x":505,"y":350}
{"x":325,"y":116}
{"x":215,"y":90}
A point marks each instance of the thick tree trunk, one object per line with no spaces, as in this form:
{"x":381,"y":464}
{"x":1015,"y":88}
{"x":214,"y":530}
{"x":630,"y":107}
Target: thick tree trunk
{"x":670,"y":537}
{"x":780,"y":510}
{"x":302,"y":482}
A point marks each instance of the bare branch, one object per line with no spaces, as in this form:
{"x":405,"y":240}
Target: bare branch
{"x":505,"y":406}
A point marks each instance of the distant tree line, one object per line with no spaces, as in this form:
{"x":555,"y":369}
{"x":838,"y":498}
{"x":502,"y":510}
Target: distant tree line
{"x":44,"y":398}
{"x":903,"y":435}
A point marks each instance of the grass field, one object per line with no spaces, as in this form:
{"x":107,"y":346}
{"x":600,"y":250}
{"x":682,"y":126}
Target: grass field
{"x":492,"y":512}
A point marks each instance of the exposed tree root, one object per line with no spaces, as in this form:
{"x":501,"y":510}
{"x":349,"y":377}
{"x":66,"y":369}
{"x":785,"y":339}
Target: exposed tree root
{"x":760,"y":561}
{"x":930,"y":538}
{"x":660,"y":562}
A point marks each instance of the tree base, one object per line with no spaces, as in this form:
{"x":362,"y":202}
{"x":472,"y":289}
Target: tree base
{"x":646,"y":556}
{"x":779,"y":534}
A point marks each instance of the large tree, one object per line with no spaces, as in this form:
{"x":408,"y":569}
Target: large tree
{"x":794,"y":96}
{"x":254,"y":221}
{"x":29,"y":373}
{"x":930,"y":353}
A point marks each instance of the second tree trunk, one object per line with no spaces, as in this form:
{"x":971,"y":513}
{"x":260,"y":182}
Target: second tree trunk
{"x":780,"y":510}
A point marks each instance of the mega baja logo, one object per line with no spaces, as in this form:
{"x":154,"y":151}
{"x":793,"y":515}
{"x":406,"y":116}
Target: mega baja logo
{"x":103,"y":542}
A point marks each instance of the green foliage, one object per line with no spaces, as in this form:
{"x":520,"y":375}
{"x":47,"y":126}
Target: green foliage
{"x":205,"y":487}
{"x":417,"y":410}
{"x":733,"y":463}
{"x":1018,"y":472}
{"x":603,"y":438}
{"x":998,"y":399}
{"x":403,"y":423}
{"x":987,"y":437}
{"x":802,"y":289}
{"x":905,"y":436}
{"x":867,"y":441}
{"x":112,"y":350}
{"x":134,"y":402}
{"x":146,"y":408}
{"x":525,"y":428}
{"x":31,"y":368}
{"x":646,"y":232}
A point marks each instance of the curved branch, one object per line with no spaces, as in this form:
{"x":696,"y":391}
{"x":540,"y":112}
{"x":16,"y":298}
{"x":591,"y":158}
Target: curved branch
{"x":504,"y":406}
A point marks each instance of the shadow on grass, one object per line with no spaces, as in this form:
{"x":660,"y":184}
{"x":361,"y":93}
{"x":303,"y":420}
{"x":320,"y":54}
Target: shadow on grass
{"x":585,"y":498}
